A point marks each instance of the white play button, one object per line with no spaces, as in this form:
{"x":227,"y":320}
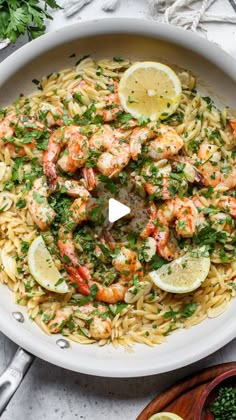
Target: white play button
{"x":116,"y":210}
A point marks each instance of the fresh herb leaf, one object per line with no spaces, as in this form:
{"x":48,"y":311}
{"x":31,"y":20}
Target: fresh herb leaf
{"x":124,"y":117}
{"x":81,"y":59}
{"x":99,"y":71}
{"x":143,"y":120}
{"x":59,"y":281}
{"x":177,"y":117}
{"x":157,"y":262}
{"x":208,"y":193}
{"x":118,"y":59}
{"x":91,"y":296}
{"x":38,"y":197}
{"x":78,"y":98}
{"x":210,"y":237}
{"x":21,"y":203}
{"x":119,"y":307}
{"x":209,"y":102}
{"x":169,"y":329}
{"x":111,"y":88}
{"x":188,"y":309}
{"x":109,"y":184}
{"x":2,"y":209}
{"x":132,"y":100}
{"x":24,"y":247}
{"x":171,"y":314}
{"x":36,"y":82}
{"x":19,"y":17}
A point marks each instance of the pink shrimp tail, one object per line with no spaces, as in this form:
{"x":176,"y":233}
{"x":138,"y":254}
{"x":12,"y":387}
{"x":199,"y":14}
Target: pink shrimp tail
{"x":89,"y":178}
{"x":49,"y":170}
{"x":75,"y":277}
{"x":162,"y":236}
{"x":150,"y":226}
{"x":233,"y":126}
{"x":77,"y":273}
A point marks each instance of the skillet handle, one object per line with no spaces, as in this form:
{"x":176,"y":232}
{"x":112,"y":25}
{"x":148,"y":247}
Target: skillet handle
{"x":13,"y":375}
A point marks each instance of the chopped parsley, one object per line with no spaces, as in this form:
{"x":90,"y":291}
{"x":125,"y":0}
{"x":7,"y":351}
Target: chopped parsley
{"x":118,"y":59}
{"x":189,"y":309}
{"x":81,"y":59}
{"x":21,"y":203}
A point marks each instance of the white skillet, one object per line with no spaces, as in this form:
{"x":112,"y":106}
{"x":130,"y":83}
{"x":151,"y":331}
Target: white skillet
{"x":139,"y":40}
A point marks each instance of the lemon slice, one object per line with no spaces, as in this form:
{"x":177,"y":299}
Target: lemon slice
{"x":165,"y":416}
{"x":182,"y":275}
{"x":150,"y":89}
{"x":43,"y":269}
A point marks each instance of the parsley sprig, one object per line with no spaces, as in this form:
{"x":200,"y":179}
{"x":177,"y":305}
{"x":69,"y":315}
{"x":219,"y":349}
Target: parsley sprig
{"x":18,"y":17}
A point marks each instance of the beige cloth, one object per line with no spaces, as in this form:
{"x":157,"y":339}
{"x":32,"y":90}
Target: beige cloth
{"x":189,"y":14}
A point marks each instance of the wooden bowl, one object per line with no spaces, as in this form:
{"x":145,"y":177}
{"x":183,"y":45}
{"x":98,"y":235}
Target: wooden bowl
{"x":208,"y":396}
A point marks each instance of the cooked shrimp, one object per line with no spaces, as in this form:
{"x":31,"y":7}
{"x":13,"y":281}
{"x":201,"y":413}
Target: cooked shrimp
{"x":127,"y":263}
{"x":138,"y":137}
{"x":105,"y":137}
{"x":150,"y":226}
{"x":114,"y":147}
{"x":161,"y":232}
{"x":232,"y":124}
{"x":161,"y":235}
{"x":51,"y":114}
{"x":9,"y":125}
{"x":72,"y":159}
{"x":89,"y":178}
{"x":71,"y":187}
{"x":112,"y":162}
{"x":8,"y":128}
{"x":212,"y":168}
{"x":111,"y":105}
{"x":160,"y":181}
{"x":99,"y":326}
{"x":186,"y":214}
{"x":167,"y":143}
{"x":62,"y":316}
{"x":210,"y":165}
{"x":99,"y":323}
{"x":37,"y":201}
{"x":221,"y":221}
{"x":228,"y":204}
{"x":186,"y":217}
{"x":78,"y":212}
{"x":109,"y":294}
{"x":156,"y":179}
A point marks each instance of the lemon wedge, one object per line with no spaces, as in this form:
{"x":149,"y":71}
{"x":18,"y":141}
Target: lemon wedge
{"x":182,"y":275}
{"x":43,"y":269}
{"x":149,"y":89}
{"x":165,"y":416}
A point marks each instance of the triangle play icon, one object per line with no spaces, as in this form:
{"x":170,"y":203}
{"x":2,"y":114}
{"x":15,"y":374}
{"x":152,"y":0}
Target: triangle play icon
{"x":116,"y":210}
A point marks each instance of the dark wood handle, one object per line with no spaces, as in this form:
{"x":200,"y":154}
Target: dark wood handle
{"x":167,"y":397}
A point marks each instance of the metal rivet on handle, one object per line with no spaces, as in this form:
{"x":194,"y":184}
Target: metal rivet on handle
{"x":63,"y":344}
{"x":18,"y":316}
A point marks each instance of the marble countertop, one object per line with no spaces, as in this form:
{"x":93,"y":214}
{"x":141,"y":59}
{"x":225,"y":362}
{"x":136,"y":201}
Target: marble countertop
{"x":52,"y":393}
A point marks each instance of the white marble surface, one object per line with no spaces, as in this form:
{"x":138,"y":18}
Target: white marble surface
{"x":51,"y":393}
